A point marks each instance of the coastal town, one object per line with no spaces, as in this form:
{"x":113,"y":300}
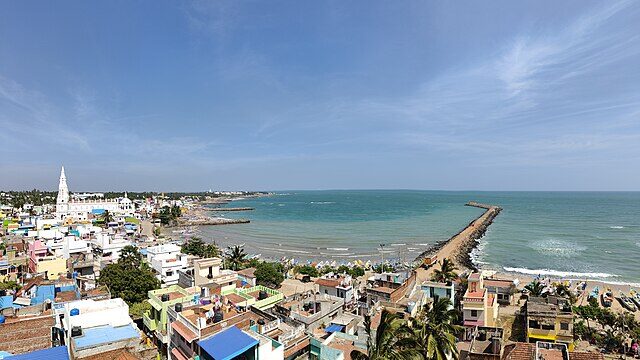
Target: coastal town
{"x":87,"y":276}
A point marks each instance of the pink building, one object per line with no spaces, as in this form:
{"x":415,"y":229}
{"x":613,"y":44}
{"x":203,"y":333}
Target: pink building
{"x":37,"y":250}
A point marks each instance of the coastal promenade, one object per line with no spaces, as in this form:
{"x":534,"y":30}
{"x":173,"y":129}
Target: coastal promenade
{"x":458,"y":248}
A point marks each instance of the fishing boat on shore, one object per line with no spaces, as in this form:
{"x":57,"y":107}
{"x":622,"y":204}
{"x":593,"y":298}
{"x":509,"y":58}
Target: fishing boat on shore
{"x":635,"y":297}
{"x":607,"y":298}
{"x":626,"y":302}
{"x":594,"y":293}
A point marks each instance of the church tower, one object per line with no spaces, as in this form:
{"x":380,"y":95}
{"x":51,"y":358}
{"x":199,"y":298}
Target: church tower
{"x":62,"y":203}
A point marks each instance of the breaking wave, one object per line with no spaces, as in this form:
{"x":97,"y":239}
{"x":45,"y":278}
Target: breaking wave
{"x":558,"y":273}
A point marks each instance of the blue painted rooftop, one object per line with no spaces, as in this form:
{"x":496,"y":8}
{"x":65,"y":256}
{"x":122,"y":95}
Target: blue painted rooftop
{"x":7,"y":302}
{"x":56,"y":353}
{"x":44,"y":292}
{"x":105,"y":334}
{"x":227,"y":344}
{"x":334,"y":328}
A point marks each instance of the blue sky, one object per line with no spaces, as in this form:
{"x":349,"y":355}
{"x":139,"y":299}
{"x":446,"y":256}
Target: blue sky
{"x":162,"y":95}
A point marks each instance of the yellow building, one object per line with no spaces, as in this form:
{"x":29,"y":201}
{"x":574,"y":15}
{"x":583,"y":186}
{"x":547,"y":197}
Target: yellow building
{"x":52,"y":266}
{"x":550,"y":319}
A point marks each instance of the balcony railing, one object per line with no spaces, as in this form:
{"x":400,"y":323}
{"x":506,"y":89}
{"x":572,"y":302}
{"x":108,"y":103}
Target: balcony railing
{"x":149,"y":323}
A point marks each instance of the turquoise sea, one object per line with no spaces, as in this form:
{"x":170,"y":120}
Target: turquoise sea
{"x":593,"y":235}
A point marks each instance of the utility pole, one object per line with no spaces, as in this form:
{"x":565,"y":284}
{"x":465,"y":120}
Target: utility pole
{"x":382,"y":254}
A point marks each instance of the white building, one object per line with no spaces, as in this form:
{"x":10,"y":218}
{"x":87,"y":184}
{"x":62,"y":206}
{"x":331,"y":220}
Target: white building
{"x":79,"y":209}
{"x":166,"y":260}
{"x":92,"y":327}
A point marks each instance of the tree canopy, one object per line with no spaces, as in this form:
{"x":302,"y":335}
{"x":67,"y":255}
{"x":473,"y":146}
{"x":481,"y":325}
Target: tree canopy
{"x":130,"y":278}
{"x":269,"y":274}
{"x":196,"y":246}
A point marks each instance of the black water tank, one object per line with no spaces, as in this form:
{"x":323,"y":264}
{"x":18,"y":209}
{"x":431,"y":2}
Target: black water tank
{"x":178,"y":307}
{"x":261,"y":322}
{"x":218,"y":316}
{"x":164,"y":297}
{"x":262,"y":295}
{"x":76,"y":331}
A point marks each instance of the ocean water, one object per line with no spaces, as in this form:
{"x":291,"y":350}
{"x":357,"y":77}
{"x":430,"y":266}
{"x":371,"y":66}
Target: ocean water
{"x":591,"y":235}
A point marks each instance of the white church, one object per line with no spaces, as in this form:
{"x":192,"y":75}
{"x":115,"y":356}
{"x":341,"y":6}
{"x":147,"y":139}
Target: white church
{"x":79,"y":209}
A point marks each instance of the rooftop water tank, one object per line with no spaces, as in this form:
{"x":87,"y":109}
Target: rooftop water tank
{"x":2,"y":319}
{"x":74,"y":312}
{"x":218,"y":316}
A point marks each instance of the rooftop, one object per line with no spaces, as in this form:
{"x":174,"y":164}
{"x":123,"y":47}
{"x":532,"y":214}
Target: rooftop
{"x":56,"y":353}
{"x":227,"y":344}
{"x":105,"y":334}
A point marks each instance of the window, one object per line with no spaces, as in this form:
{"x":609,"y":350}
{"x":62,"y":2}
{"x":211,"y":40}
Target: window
{"x":564,"y":326}
{"x":474,"y":313}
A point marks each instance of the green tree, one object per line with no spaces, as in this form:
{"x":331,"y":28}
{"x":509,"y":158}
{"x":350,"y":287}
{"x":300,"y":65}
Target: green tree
{"x":136,"y":310}
{"x":196,"y":246}
{"x":10,"y":285}
{"x":384,"y":343}
{"x":307,"y":270}
{"x":535,"y":288}
{"x":130,"y":278}
{"x":106,"y":218}
{"x":236,"y":257}
{"x":434,"y":331}
{"x":269,"y":274}
{"x":446,"y":273}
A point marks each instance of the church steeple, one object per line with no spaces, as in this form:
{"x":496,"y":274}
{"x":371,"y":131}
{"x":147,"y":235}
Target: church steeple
{"x":63,"y":190}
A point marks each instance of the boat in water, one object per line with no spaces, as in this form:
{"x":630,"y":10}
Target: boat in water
{"x":626,"y":302}
{"x":607,"y":298}
{"x":594,"y":293}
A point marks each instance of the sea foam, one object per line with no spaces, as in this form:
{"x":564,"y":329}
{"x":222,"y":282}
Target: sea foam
{"x":558,"y":273}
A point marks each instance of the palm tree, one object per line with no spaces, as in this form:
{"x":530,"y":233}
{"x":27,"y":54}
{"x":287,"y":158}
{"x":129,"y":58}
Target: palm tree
{"x":434,"y":331}
{"x":446,"y":272}
{"x":535,"y":288}
{"x":236,"y":257}
{"x":384,"y":343}
{"x":106,"y":218}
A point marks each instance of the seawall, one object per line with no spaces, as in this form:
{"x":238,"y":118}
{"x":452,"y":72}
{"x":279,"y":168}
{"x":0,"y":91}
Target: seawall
{"x":458,"y":247}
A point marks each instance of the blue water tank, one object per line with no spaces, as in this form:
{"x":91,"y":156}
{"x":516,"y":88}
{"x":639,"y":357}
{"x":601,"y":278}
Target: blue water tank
{"x":2,"y":319}
{"x":74,"y":312}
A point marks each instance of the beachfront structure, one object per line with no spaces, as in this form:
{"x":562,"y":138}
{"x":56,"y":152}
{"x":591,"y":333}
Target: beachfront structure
{"x":436,"y":290}
{"x":338,"y":286}
{"x":502,"y":289}
{"x":167,"y":260}
{"x":549,"y":319}
{"x":79,"y":209}
{"x":479,"y":307}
